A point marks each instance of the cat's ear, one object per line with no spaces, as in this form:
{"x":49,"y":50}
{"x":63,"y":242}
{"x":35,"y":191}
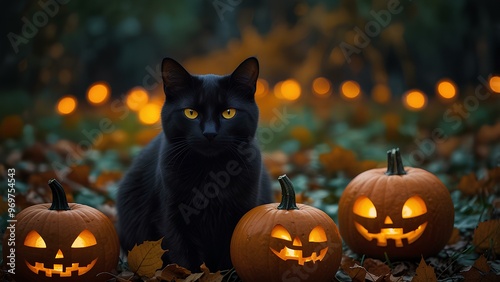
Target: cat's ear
{"x":246,"y":73}
{"x":174,"y":76}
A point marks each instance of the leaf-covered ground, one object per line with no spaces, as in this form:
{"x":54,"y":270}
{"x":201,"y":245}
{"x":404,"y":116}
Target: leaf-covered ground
{"x":320,"y":146}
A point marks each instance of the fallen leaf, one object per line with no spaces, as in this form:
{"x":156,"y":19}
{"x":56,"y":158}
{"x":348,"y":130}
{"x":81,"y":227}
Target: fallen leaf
{"x":303,"y":135}
{"x":338,"y":159}
{"x":107,"y":177}
{"x":487,"y":236}
{"x":480,"y":271}
{"x":376,"y":267}
{"x":455,"y":237}
{"x":172,"y":272}
{"x":80,"y":174}
{"x":208,"y":276}
{"x":470,"y":185}
{"x":195,"y":277}
{"x":424,"y":273}
{"x":359,"y":167}
{"x":358,"y":272}
{"x":301,"y":158}
{"x":145,"y":259}
{"x":492,"y":179}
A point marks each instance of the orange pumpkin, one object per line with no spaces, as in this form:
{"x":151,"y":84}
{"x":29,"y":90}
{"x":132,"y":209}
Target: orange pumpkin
{"x":403,"y":212}
{"x":62,"y":242}
{"x":279,"y":242}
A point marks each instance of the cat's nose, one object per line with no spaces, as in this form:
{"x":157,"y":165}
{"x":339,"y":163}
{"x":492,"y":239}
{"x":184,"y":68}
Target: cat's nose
{"x":209,"y":130}
{"x":210,"y":135}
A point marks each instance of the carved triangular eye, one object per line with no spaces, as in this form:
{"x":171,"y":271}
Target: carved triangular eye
{"x":364,"y":207}
{"x":84,"y":239}
{"x":33,"y":239}
{"x":317,"y":235}
{"x":280,"y":232}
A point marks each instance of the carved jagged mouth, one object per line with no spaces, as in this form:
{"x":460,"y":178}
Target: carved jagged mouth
{"x":395,"y":234}
{"x":61,"y":270}
{"x":291,"y":254}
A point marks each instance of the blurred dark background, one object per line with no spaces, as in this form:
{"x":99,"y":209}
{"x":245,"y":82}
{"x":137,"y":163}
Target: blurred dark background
{"x":81,"y":42}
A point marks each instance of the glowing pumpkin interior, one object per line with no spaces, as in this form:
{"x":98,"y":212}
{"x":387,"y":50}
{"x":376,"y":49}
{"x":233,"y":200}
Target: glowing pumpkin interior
{"x":83,"y":240}
{"x":317,"y":235}
{"x":413,"y":207}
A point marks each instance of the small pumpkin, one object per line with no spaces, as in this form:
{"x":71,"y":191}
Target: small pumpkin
{"x":278,"y":242}
{"x":403,"y":212}
{"x":63,"y":242}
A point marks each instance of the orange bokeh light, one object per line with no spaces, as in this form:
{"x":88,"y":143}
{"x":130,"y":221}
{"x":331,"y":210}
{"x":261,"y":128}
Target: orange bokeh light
{"x":137,"y":98}
{"x":446,"y":89}
{"x":66,"y":105}
{"x":495,"y":84}
{"x":262,"y":88}
{"x":350,"y":89}
{"x":321,"y":86}
{"x":150,"y":113}
{"x":98,"y":93}
{"x":414,"y":100}
{"x":290,"y":89}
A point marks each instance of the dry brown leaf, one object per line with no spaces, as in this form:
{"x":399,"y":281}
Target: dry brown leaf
{"x":353,"y":269}
{"x":424,"y":273}
{"x":492,"y":180}
{"x":209,"y":277}
{"x":107,"y":177}
{"x":361,"y":166}
{"x":455,"y":236}
{"x":376,"y":267}
{"x":301,"y":158}
{"x":80,"y":174}
{"x":173,"y":272}
{"x":480,"y":271}
{"x":448,"y":146}
{"x":469,"y":184}
{"x":145,"y":259}
{"x":195,"y":277}
{"x":303,"y":135}
{"x":338,"y":159}
{"x":487,"y":236}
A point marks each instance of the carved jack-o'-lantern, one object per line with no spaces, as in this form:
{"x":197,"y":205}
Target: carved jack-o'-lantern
{"x":276,"y":242}
{"x":63,"y":242}
{"x":401,"y":212}
{"x":317,"y":235}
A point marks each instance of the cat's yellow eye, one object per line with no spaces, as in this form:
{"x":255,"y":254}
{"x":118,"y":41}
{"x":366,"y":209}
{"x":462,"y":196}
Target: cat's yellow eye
{"x":229,"y":113}
{"x":190,"y":113}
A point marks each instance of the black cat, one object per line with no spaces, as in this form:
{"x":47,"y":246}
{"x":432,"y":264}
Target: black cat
{"x":198,"y":177}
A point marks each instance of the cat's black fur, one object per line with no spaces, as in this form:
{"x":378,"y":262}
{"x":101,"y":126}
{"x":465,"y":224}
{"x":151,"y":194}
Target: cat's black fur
{"x":198,"y":177}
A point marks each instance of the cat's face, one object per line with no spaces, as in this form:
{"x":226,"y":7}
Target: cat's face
{"x":209,"y":114}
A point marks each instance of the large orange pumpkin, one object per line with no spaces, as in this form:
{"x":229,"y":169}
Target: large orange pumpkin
{"x":62,"y":242}
{"x":403,"y":212}
{"x":286,"y":242}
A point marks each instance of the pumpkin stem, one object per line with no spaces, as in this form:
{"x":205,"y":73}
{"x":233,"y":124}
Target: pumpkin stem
{"x":287,"y":194}
{"x":394,"y":163}
{"x":59,"y":201}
